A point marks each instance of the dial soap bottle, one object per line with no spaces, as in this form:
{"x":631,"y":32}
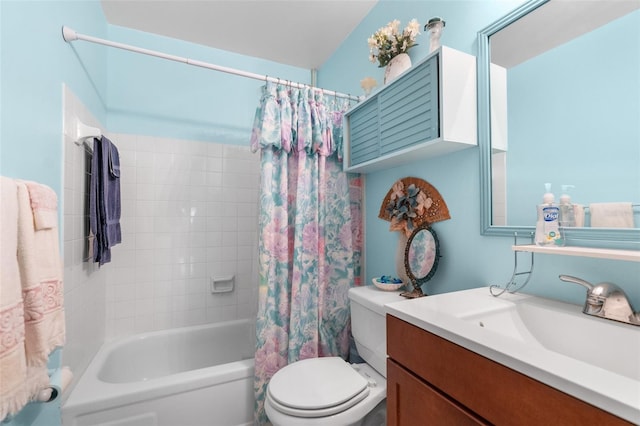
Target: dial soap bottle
{"x":548,"y":225}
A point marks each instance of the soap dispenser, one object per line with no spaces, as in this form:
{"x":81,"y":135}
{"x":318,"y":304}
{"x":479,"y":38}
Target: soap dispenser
{"x":567,"y":211}
{"x":548,"y":226}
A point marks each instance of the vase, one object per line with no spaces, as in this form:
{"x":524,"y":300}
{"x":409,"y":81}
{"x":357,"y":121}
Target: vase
{"x":401,"y":271}
{"x":396,"y":66}
{"x":435,"y":26}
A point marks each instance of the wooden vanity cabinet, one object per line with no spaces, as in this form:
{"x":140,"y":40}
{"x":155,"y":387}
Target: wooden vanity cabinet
{"x":432,"y":381}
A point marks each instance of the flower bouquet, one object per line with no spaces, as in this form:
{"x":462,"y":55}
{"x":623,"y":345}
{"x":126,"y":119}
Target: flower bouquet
{"x":388,"y":41}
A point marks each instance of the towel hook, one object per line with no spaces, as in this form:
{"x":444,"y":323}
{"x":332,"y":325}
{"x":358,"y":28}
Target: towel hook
{"x":512,"y":286}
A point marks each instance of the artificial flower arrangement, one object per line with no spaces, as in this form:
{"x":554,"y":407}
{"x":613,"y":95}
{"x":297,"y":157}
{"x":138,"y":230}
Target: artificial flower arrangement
{"x":388,"y":41}
{"x":367,"y":84}
{"x":405,"y":207}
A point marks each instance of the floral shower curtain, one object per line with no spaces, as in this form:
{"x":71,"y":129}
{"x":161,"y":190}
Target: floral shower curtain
{"x":309,"y":231}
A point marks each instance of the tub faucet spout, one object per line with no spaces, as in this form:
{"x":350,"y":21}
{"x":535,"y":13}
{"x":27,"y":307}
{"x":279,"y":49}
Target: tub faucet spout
{"x":606,"y":300}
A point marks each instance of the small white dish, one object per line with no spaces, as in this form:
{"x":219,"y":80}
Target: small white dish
{"x":386,"y":286}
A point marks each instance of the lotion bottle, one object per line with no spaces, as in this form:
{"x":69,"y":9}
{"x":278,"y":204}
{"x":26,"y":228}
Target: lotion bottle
{"x":567,"y":212}
{"x":548,"y":225}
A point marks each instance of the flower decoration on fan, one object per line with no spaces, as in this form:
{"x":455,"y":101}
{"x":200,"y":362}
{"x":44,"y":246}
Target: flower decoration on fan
{"x":388,"y":41}
{"x":405,"y":205}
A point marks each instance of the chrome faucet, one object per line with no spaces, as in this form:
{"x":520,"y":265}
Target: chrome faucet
{"x":606,"y":300}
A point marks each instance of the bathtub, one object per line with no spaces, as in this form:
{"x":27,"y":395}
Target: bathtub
{"x":192,"y":376}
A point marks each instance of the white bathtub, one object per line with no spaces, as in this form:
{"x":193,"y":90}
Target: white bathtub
{"x":192,"y":376}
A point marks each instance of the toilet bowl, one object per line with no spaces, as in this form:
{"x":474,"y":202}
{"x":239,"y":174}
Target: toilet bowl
{"x":329,"y":391}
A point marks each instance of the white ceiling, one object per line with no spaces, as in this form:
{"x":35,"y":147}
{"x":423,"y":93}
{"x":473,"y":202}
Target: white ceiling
{"x":553,"y":24}
{"x":302,"y":33}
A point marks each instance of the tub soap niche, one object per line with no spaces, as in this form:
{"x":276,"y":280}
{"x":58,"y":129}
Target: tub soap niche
{"x":222,"y":284}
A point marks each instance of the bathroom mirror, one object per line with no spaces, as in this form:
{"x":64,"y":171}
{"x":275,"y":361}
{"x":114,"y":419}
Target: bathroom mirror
{"x":536,"y":127}
{"x":421,"y":256}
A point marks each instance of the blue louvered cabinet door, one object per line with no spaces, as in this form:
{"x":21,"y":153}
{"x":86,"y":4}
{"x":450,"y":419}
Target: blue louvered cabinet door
{"x":428,"y":111}
{"x":409,"y":108}
{"x":364,"y":133}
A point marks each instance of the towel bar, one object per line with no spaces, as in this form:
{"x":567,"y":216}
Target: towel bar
{"x":85,"y":133}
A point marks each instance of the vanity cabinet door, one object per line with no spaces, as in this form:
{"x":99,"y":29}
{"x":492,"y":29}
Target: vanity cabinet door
{"x":411,"y":401}
{"x":490,"y":390}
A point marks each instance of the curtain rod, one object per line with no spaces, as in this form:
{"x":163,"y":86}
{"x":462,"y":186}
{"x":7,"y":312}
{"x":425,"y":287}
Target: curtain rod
{"x":70,"y":35}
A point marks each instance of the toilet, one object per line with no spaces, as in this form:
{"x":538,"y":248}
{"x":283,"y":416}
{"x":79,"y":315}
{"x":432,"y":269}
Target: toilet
{"x":330,"y":391}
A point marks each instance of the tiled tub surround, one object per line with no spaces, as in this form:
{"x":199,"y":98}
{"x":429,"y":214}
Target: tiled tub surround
{"x":84,"y":283}
{"x":189,"y":213}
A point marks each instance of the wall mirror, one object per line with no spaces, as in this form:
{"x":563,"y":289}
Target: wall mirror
{"x":421,"y":256}
{"x":558,"y":102}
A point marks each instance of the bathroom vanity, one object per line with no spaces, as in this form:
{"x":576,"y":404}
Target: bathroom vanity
{"x":430,"y":378}
{"x":470,"y":358}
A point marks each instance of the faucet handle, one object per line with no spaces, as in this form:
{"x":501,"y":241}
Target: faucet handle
{"x":576,"y":280}
{"x":606,"y":300}
{"x":594,"y":303}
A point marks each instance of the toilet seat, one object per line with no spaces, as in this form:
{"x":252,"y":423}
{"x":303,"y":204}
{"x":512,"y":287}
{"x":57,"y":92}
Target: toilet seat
{"x":317,"y":387}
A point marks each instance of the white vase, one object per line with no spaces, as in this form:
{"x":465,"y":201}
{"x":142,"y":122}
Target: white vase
{"x":396,"y":66}
{"x":401,"y":271}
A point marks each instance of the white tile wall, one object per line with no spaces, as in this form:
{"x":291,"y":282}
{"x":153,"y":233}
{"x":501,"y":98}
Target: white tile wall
{"x":189,"y":213}
{"x":84,"y":283}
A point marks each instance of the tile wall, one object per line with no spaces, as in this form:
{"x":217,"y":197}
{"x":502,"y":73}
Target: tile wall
{"x":84,"y":284}
{"x":189,"y":214}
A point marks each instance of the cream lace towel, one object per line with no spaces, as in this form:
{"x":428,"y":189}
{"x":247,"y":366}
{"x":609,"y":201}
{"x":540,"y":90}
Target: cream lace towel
{"x":31,"y":293}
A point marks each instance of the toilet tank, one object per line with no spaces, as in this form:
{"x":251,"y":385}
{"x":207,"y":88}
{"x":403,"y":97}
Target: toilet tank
{"x":368,"y":324}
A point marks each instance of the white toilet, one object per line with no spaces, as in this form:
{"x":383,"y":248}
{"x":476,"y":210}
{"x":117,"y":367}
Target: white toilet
{"x":330,"y":391}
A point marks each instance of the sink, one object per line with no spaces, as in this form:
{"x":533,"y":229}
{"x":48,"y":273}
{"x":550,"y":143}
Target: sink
{"x":593,"y":359}
{"x":563,"y":328}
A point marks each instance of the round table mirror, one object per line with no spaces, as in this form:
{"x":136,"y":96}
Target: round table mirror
{"x":421,"y":256}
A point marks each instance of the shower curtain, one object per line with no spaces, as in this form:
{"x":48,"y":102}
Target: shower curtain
{"x":309,"y":232}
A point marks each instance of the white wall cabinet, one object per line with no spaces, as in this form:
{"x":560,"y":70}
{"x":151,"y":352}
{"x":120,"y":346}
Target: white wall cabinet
{"x":429,"y":110}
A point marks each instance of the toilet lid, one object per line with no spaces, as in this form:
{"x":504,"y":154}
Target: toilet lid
{"x":317,"y":387}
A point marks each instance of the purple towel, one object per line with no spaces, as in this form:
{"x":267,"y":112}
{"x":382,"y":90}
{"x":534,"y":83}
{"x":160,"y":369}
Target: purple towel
{"x":104,"y":199}
{"x":111,"y":163}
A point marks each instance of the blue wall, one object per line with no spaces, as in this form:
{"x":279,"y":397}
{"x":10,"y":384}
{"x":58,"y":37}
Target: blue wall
{"x":469,"y":259}
{"x":35,"y":63}
{"x":127,"y":92}
{"x":156,"y":97}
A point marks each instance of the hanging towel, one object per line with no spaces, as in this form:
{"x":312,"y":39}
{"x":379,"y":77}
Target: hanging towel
{"x":95,"y":247}
{"x":104,"y":200}
{"x":578,"y":211}
{"x":15,"y":391}
{"x":32,"y":319}
{"x":611,"y":215}
{"x":41,"y":278}
{"x":112,"y":202}
{"x":44,"y":204}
